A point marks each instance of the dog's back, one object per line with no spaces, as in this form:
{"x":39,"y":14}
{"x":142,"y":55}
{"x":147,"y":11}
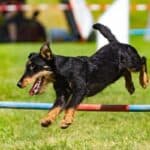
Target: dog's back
{"x":113,"y":61}
{"x":126,"y":54}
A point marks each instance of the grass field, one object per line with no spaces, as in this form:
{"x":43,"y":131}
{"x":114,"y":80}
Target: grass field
{"x":20,"y":129}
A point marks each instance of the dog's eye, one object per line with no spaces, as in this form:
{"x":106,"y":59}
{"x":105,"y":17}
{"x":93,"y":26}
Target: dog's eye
{"x":32,"y":66}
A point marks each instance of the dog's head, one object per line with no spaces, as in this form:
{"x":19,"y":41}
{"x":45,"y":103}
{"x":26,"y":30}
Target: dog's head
{"x":39,"y":70}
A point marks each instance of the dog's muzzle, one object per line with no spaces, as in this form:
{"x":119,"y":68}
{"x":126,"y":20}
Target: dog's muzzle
{"x":19,"y":84}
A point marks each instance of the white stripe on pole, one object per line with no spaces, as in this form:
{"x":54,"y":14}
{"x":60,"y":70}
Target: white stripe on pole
{"x":92,"y":7}
{"x":117,"y":19}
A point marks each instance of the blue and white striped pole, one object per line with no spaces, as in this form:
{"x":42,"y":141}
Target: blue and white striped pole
{"x":81,"y":107}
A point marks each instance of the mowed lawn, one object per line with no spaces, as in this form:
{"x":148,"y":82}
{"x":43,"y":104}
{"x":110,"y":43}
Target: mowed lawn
{"x":21,"y":130}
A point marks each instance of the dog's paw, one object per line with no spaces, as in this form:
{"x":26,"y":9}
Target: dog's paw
{"x":65,"y":124}
{"x":144,"y":80}
{"x":46,"y":122}
{"x":131,"y":89}
{"x":68,"y":118}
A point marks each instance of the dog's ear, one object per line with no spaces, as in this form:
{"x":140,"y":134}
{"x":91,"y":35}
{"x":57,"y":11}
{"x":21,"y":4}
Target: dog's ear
{"x":46,"y":52}
{"x":31,"y":54}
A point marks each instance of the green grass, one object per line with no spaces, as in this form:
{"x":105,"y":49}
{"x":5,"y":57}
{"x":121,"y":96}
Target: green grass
{"x":20,"y":129}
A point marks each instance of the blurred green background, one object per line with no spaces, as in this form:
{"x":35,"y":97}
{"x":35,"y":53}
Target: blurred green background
{"x":138,"y":19}
{"x":89,"y":1}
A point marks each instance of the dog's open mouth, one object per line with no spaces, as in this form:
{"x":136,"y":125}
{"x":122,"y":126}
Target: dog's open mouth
{"x":36,"y":88}
{"x":39,"y":81}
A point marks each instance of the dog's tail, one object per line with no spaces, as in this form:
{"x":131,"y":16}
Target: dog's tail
{"x":105,"y":31}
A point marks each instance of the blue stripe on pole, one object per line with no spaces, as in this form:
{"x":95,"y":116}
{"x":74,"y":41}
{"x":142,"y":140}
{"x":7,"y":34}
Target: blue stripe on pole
{"x":25,"y":105}
{"x":139,"y":31}
{"x":142,"y":108}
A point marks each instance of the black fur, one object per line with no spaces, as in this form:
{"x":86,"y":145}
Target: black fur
{"x":78,"y":77}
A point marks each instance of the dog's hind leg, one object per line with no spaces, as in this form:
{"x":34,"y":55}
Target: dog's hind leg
{"x":143,"y":77}
{"x":128,"y":82}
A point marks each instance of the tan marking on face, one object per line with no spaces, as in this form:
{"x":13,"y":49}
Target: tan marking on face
{"x":26,"y":81}
{"x":49,"y":77}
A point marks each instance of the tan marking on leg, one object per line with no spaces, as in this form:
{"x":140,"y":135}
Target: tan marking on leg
{"x":143,"y":78}
{"x":68,"y":118}
{"x":50,"y":118}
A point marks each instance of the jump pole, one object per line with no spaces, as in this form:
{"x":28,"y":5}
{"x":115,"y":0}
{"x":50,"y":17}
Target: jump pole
{"x":81,"y":107}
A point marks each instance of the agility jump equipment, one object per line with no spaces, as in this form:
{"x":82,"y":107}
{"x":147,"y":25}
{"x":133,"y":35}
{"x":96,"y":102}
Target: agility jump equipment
{"x":62,"y":7}
{"x":43,"y":7}
{"x":81,"y":107}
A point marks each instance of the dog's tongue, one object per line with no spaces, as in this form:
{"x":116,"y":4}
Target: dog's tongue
{"x":36,"y":87}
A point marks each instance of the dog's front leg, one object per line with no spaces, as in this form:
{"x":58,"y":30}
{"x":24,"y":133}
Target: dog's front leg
{"x":79,"y":92}
{"x":56,"y":109}
{"x":53,"y":112}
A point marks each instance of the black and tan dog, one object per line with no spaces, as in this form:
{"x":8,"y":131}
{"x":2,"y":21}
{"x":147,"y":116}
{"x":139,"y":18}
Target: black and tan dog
{"x":74,"y":78}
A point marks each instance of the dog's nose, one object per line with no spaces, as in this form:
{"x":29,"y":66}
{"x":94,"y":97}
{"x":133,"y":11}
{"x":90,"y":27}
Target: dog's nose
{"x":19,"y":84}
